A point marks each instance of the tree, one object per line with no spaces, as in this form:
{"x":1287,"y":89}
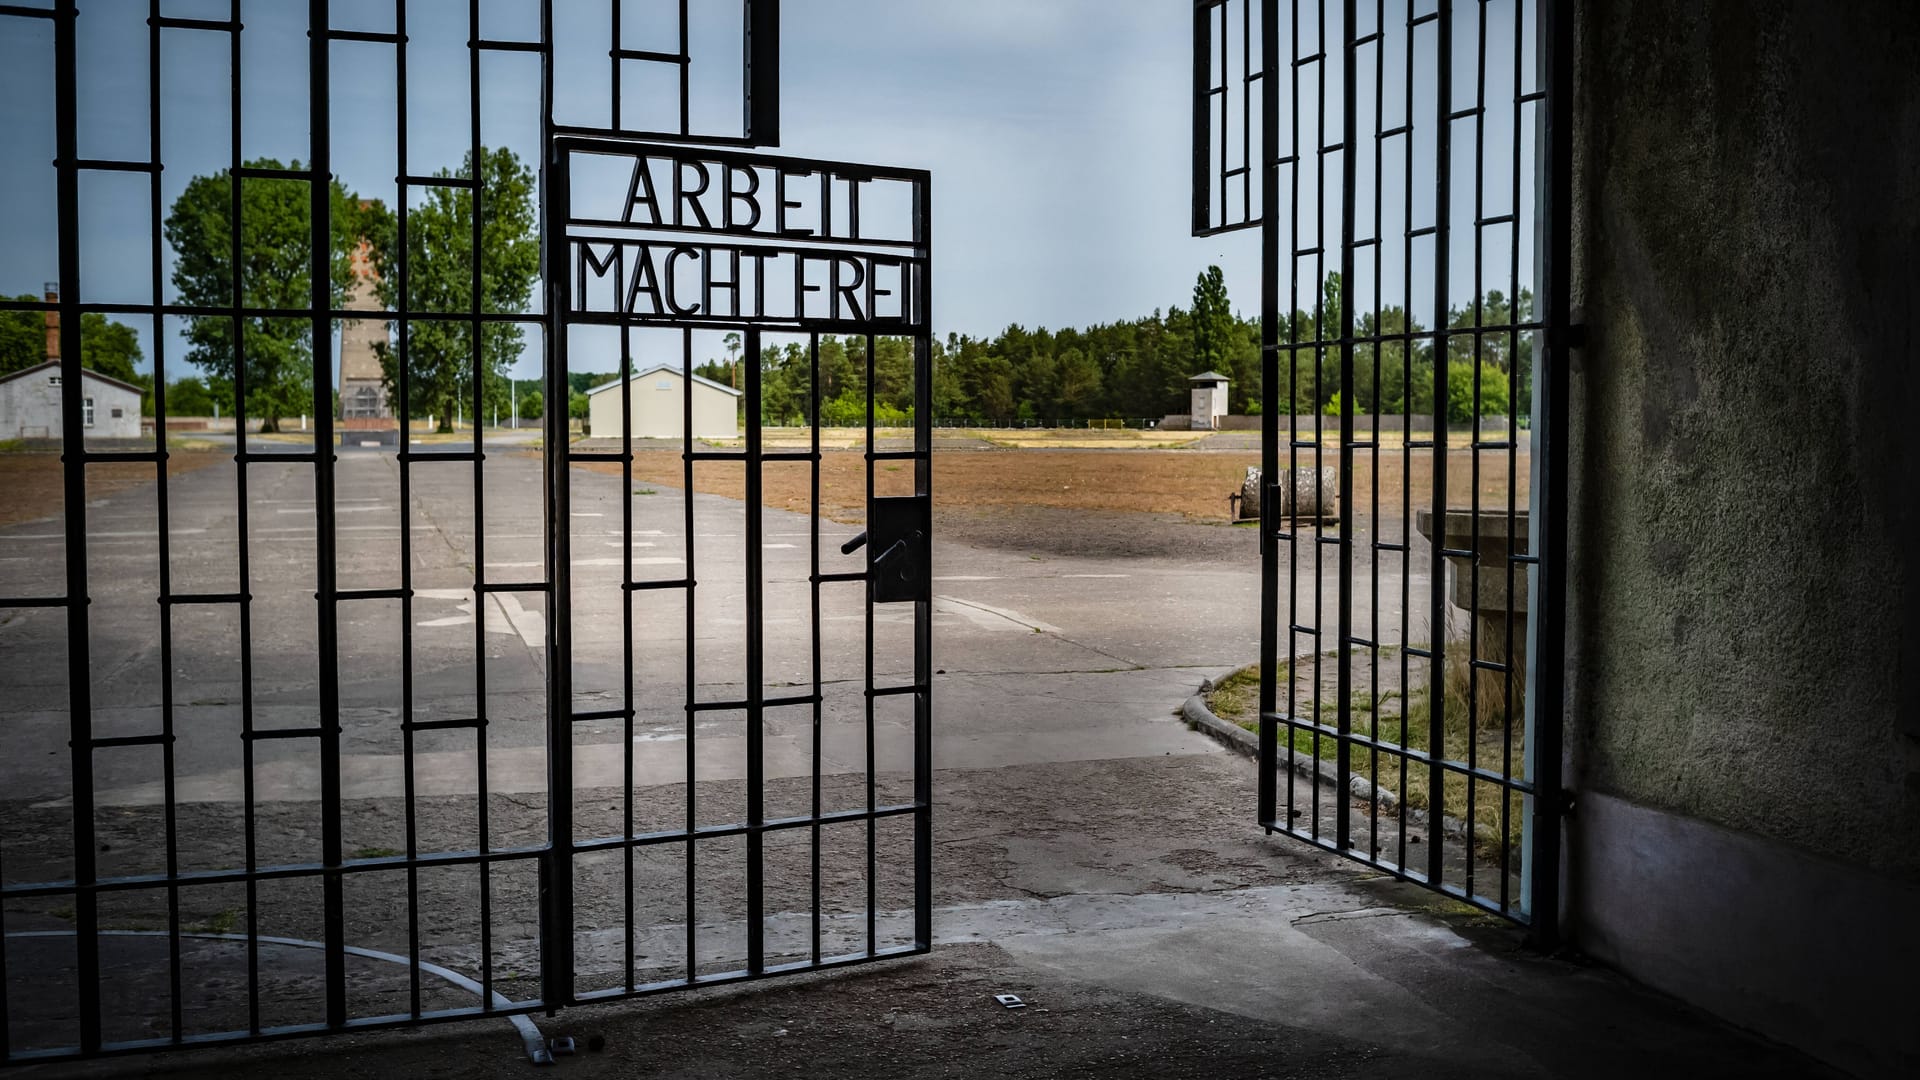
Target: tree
{"x":192,"y":397}
{"x":275,"y":272}
{"x":532,"y":404}
{"x":1213,"y":323}
{"x":443,"y":271}
{"x":732,"y":341}
{"x":108,"y":347}
{"x":1493,"y":392}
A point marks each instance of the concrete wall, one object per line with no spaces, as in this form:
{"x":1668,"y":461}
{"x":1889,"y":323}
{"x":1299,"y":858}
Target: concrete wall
{"x":30,"y":408}
{"x":1742,"y":700}
{"x":659,"y":409}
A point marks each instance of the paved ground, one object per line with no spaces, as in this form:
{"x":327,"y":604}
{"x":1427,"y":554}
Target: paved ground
{"x":1092,"y":854}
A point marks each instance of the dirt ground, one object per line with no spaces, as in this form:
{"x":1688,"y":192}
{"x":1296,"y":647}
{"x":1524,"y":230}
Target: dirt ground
{"x":32,"y":481}
{"x":1194,"y":484}
{"x":933,"y":1016}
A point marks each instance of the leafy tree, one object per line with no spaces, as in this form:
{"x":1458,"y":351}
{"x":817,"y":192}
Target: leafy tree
{"x":276,"y":250}
{"x":108,"y":347}
{"x":1213,"y":323}
{"x":532,"y":404}
{"x":1501,"y":350}
{"x":441,"y":269}
{"x":1493,"y":391}
{"x":192,"y":396}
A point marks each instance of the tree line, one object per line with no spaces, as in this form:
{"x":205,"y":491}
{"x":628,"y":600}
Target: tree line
{"x":1139,"y":368}
{"x":1130,"y":369}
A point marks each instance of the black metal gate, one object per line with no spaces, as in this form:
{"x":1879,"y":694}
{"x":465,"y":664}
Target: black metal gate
{"x":284,"y":854}
{"x":1410,"y":192}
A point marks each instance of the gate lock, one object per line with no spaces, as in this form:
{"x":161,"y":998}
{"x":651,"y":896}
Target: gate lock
{"x":897,"y":547}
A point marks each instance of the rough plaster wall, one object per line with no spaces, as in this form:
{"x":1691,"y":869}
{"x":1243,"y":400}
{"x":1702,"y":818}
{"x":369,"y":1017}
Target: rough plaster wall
{"x":1747,"y":220}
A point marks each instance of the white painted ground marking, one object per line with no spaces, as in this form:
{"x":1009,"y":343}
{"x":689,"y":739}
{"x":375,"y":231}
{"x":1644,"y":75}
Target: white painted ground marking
{"x":336,"y":509}
{"x":988,"y":617}
{"x":639,"y":532}
{"x":465,"y":596}
{"x":94,"y":535}
{"x":308,"y":530}
{"x":636,"y":543}
{"x":505,"y":614}
{"x":776,"y":545}
{"x":136,"y":535}
{"x":530,"y":625}
{"x":587,"y":513}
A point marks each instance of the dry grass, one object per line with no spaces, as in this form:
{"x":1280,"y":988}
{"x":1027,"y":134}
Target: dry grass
{"x":1479,"y":734}
{"x":1141,"y":481}
{"x":33,"y":481}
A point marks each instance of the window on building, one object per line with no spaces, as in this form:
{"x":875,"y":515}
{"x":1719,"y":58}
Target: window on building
{"x":117,"y":414}
{"x":86,"y":410}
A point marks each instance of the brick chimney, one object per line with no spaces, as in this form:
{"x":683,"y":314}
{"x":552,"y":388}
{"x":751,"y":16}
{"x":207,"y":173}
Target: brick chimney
{"x":53,"y":322}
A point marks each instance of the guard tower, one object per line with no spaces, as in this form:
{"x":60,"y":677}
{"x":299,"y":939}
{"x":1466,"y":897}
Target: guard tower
{"x":1209,"y":400}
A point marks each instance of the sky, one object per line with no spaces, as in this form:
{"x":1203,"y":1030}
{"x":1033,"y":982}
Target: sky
{"x":1057,"y":132}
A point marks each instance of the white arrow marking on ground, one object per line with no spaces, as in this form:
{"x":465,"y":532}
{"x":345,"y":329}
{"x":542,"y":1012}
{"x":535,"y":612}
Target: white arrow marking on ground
{"x":505,"y":615}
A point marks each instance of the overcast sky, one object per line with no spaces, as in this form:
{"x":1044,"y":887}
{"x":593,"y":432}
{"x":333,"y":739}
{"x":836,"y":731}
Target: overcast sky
{"x":1056,"y":130}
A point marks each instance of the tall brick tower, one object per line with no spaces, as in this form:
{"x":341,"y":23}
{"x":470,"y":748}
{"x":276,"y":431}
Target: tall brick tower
{"x":363,"y":390}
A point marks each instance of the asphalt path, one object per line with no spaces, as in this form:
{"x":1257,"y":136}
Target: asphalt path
{"x":1041,"y":658}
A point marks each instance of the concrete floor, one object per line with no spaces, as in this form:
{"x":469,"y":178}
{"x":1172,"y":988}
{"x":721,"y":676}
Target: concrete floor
{"x":1092,"y":853}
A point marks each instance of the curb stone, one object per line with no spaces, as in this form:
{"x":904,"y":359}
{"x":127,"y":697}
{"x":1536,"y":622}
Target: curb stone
{"x":1247,"y":744}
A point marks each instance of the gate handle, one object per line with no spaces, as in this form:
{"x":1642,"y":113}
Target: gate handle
{"x":854,"y":544}
{"x":899,"y":561}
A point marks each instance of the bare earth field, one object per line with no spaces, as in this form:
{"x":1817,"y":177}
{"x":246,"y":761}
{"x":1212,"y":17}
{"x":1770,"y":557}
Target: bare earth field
{"x":1191,"y":483}
{"x":31,"y":482}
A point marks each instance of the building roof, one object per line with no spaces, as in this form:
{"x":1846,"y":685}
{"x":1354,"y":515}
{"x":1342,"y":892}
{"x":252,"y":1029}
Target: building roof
{"x":1208,"y":376}
{"x":669,"y":369}
{"x":86,"y":372}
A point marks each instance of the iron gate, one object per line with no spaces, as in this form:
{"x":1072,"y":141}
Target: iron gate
{"x":371,"y":815}
{"x":1410,"y":193}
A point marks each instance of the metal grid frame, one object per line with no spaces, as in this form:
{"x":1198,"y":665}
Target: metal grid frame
{"x":1299,"y":151}
{"x":565,"y":229}
{"x":1224,"y":143}
{"x":760,"y":126}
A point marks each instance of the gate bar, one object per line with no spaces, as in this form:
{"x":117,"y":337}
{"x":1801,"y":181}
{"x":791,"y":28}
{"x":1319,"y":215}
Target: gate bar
{"x":320,"y":270}
{"x":556,"y":910}
{"x":73,"y":448}
{"x":1546,"y":709}
{"x":1437,"y":564}
{"x":1270,"y":431}
{"x":1343,"y":674}
{"x":756,"y":605}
